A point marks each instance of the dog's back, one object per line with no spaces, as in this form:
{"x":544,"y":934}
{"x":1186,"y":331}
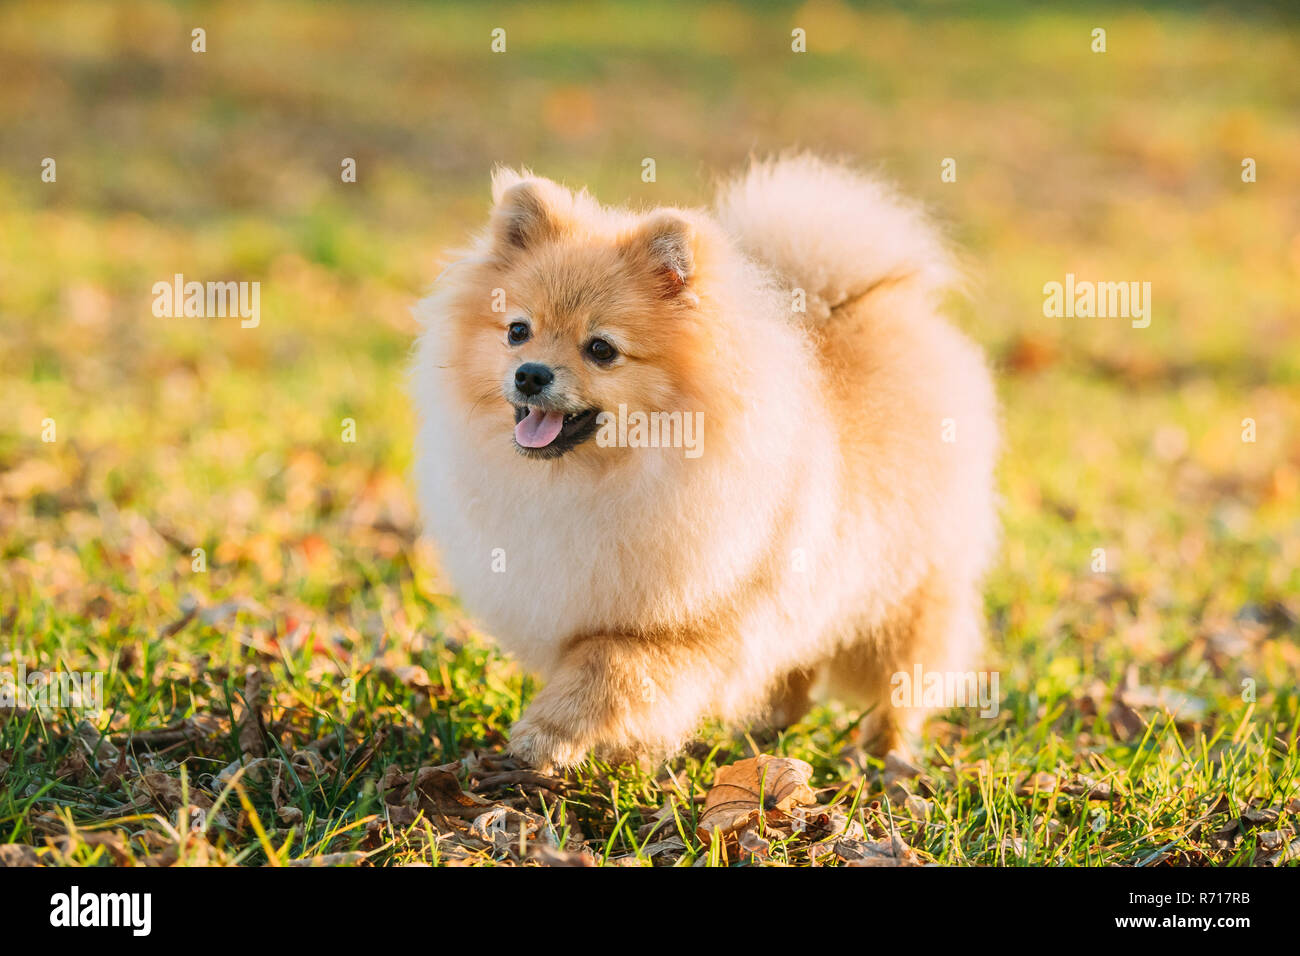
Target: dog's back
{"x":914,"y":407}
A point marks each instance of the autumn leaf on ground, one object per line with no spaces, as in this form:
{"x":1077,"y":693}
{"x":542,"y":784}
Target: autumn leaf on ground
{"x":891,"y":851}
{"x":745,"y":791}
{"x":252,"y":729}
{"x":462,"y":819}
{"x":18,"y":854}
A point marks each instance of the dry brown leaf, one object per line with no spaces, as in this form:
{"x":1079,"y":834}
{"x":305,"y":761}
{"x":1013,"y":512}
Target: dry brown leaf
{"x":823,"y":823}
{"x":919,"y":808}
{"x":1041,"y":782}
{"x":1271,"y":839}
{"x":196,"y":728}
{"x":900,"y":777}
{"x":161,"y":791}
{"x":671,"y":847}
{"x":505,"y":831}
{"x":309,"y":762}
{"x":897,"y":768}
{"x":1286,"y":854}
{"x":400,"y":817}
{"x":1258,"y":817}
{"x":1224,"y":837}
{"x":520,"y":778}
{"x":664,"y":821}
{"x":18,"y":854}
{"x":1083,"y":785}
{"x":97,"y":745}
{"x":1125,"y":722}
{"x":753,"y":847}
{"x":252,"y":727}
{"x":892,"y":851}
{"x":113,"y":842}
{"x":75,"y":766}
{"x":742,"y":792}
{"x":437,"y":791}
{"x":257,"y":770}
{"x":547,"y":855}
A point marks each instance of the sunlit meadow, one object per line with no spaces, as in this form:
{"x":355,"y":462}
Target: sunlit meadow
{"x":219,"y":519}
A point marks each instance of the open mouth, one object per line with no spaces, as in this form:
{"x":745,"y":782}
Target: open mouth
{"x":547,"y":433}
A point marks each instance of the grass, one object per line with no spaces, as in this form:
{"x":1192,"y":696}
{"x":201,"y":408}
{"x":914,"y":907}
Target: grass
{"x":1149,"y":711}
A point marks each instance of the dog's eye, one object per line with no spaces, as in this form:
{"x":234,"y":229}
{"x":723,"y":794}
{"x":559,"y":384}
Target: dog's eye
{"x":601,"y":351}
{"x":518,"y":333}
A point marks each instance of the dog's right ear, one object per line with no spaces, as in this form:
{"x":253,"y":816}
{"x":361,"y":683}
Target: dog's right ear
{"x":528,"y":209}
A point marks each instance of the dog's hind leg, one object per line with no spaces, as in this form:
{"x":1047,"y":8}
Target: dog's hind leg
{"x":936,"y":631}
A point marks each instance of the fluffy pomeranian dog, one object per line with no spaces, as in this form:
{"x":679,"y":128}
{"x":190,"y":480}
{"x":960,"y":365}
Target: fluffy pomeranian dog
{"x":829,"y":525}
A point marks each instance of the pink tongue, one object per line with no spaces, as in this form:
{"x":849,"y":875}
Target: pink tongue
{"x":539,"y":429}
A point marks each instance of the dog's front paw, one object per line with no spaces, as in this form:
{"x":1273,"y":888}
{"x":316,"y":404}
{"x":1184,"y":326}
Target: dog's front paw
{"x":542,"y":748}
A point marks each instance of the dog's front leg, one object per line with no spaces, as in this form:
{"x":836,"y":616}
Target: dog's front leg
{"x":619,"y":695}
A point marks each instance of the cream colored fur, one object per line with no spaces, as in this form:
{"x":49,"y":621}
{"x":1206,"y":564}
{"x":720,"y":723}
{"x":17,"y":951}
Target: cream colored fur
{"x":827,"y":530}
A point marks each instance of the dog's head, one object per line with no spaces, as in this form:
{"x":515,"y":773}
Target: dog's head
{"x":568,"y":309}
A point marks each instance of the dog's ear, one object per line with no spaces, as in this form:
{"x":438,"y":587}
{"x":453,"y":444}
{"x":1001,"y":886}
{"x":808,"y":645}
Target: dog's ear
{"x":528,"y":209}
{"x":665,"y":243}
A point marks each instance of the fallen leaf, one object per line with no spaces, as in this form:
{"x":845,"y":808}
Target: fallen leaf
{"x":752,"y":846}
{"x":18,"y":854}
{"x":1271,"y":839}
{"x":547,"y":855}
{"x":891,"y":851}
{"x":1287,"y":854}
{"x":823,"y":822}
{"x":1083,"y":785}
{"x":97,"y":745}
{"x":743,"y":791}
{"x":504,"y":829}
{"x":664,"y":819}
{"x":1224,"y":837}
{"x":1125,"y":722}
{"x":526,"y":779}
{"x":438,"y":792}
{"x":1258,"y":817}
{"x":113,"y":842}
{"x":1041,"y":782}
{"x":671,"y":845}
{"x":75,"y":766}
{"x":252,"y":728}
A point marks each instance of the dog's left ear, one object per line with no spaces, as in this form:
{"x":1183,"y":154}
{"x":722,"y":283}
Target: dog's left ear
{"x":665,"y":244}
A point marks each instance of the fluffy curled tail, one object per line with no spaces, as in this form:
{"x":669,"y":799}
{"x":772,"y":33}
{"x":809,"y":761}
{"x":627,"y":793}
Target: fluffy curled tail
{"x":831,"y":231}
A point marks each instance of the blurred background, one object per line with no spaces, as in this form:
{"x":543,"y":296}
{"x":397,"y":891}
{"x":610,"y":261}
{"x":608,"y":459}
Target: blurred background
{"x":177,"y":433}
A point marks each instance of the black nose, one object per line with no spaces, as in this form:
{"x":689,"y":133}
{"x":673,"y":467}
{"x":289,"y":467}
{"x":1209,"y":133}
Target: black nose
{"x":531,"y":378}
